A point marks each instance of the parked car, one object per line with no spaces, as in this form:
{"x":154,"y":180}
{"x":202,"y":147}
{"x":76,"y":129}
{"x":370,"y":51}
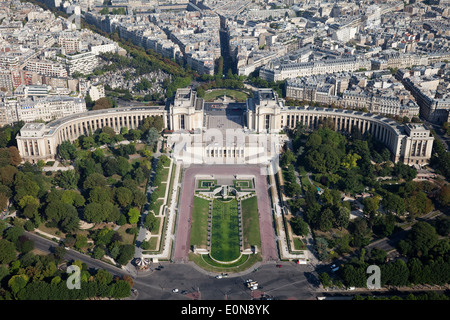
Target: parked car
{"x":279,"y":265}
{"x":334,"y":268}
{"x":175,"y":290}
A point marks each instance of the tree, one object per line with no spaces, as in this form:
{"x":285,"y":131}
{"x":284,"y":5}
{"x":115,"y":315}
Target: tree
{"x":18,"y":282}
{"x":7,"y":251}
{"x":139,"y":198}
{"x":422,"y":237}
{"x":377,"y":256}
{"x":441,"y":224}
{"x":103,"y":103}
{"x":443,"y":195}
{"x":403,"y":171}
{"x":123,"y":166}
{"x":292,"y":189}
{"x":120,"y":289}
{"x":312,"y":215}
{"x":95,"y":213}
{"x":354,"y":276}
{"x":393,"y":203}
{"x":395,"y":274}
{"x":104,"y":277}
{"x":321,"y":247}
{"x":24,"y":244}
{"x":25,"y":184}
{"x":123,"y":196}
{"x":220,"y":67}
{"x":7,"y":174}
{"x":299,"y":226}
{"x":3,"y":200}
{"x":13,"y":233}
{"x":14,"y":156}
{"x":152,"y":136}
{"x":94,"y":180}
{"x":342,"y":217}
{"x":371,"y":205}
{"x":361,"y":232}
{"x":326,"y":220}
{"x":73,"y":198}
{"x":66,"y":179}
{"x":133,"y":215}
{"x":350,"y":160}
{"x":415,"y":268}
{"x":385,"y":225}
{"x":150,"y":221}
{"x":104,"y":11}
{"x":287,"y":158}
{"x":89,"y":102}
{"x":126,"y":253}
{"x":325,"y":279}
{"x":99,"y":195}
{"x":67,"y":150}
{"x":418,"y":204}
{"x":63,"y":214}
{"x":139,"y":175}
{"x":81,"y":241}
{"x":134,"y":134}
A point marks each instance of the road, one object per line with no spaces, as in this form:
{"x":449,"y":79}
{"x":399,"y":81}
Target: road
{"x":440,"y":132}
{"x":391,"y":242}
{"x":289,"y":282}
{"x":47,"y":246}
{"x":292,"y":281}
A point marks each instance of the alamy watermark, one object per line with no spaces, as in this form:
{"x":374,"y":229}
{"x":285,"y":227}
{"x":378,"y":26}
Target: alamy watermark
{"x":74,"y":280}
{"x":374,"y":280}
{"x":75,"y":18}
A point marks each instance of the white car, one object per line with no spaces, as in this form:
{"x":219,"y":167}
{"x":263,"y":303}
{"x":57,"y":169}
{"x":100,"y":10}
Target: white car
{"x":175,"y":290}
{"x":219,"y":277}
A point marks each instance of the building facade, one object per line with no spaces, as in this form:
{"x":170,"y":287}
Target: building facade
{"x":265,"y":113}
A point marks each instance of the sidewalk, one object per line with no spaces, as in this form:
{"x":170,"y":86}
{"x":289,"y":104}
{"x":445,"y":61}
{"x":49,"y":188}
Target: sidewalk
{"x":282,"y":238}
{"x":172,"y":210}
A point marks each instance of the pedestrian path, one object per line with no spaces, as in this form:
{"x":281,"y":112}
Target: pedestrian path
{"x":285,"y":253}
{"x":171,"y":216}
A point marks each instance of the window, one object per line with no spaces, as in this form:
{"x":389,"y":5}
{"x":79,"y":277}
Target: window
{"x":182,"y":122}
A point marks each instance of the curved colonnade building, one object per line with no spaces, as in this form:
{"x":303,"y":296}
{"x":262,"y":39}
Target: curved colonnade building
{"x":263,"y":113}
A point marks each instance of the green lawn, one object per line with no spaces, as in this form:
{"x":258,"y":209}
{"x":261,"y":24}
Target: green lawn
{"x":225,"y":231}
{"x":127,"y":238}
{"x":153,"y":243}
{"x":164,"y":174}
{"x":237,"y":95}
{"x":199,"y":223}
{"x":298,"y":244}
{"x":156,"y":206}
{"x":250,"y":221}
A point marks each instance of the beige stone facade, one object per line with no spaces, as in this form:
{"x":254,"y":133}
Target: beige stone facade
{"x":265,"y":114}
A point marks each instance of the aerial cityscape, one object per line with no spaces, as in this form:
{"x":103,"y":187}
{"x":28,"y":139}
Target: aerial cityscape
{"x":233,"y":150}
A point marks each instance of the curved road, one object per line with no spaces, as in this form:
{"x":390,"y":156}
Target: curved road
{"x":292,"y":281}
